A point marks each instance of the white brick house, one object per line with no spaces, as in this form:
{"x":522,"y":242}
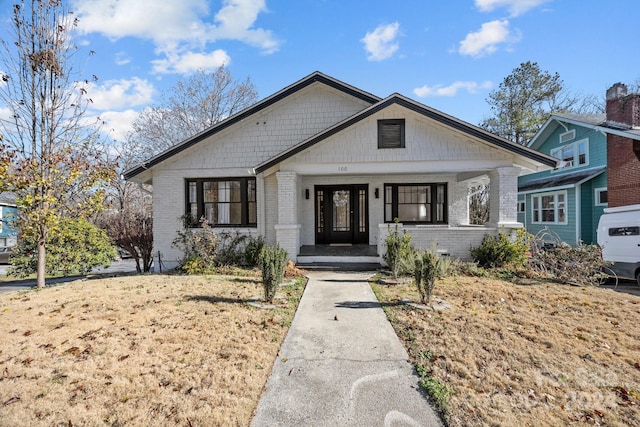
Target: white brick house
{"x":322,"y":162}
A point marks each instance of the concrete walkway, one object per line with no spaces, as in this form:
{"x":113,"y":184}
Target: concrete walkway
{"x":342,"y":364}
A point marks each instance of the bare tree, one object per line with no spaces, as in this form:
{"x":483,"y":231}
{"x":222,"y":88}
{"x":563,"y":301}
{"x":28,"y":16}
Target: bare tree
{"x":129,"y":221}
{"x":191,"y":106}
{"x":479,"y":204}
{"x":50,"y":153}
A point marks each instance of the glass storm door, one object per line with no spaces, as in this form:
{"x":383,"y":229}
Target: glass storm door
{"x":341,"y":214}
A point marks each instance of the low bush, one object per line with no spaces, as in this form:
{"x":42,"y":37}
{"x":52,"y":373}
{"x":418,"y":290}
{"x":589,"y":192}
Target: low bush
{"x":502,"y":250}
{"x":427,"y":268}
{"x":399,"y":256}
{"x":273,"y":261}
{"x":75,"y":246}
{"x":205,"y":250}
{"x":252,"y":249}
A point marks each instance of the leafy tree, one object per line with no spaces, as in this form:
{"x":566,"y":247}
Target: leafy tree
{"x":525,"y":99}
{"x":191,"y":106}
{"x":75,"y":246}
{"x":50,"y":157}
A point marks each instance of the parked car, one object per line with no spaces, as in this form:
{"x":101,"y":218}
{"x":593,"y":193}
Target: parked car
{"x":5,"y":253}
{"x":619,"y":237}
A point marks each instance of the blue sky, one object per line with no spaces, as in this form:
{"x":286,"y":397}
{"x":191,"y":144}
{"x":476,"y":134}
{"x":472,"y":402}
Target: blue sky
{"x":446,"y":54}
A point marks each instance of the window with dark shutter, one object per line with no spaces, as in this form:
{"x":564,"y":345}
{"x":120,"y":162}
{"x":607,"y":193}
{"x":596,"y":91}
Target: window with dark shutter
{"x":391,"y":133}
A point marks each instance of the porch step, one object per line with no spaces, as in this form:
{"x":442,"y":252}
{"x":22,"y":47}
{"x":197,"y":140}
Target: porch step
{"x":328,"y":259}
{"x":340,"y":266}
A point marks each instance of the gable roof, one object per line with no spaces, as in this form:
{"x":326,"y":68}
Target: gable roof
{"x":419,"y":108}
{"x":316,"y":77}
{"x":596,"y":122}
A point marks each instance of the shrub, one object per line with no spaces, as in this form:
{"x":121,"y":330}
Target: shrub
{"x":230,"y":249}
{"x":75,"y":246}
{"x":501,"y":250}
{"x":252,"y":251}
{"x":399,"y":256}
{"x":427,"y":267}
{"x":200,"y":244}
{"x":272,"y":261}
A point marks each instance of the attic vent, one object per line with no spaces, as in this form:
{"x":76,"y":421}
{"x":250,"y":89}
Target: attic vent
{"x":567,"y":136}
{"x":391,"y":133}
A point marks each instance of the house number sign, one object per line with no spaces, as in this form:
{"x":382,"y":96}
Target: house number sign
{"x":342,"y":168}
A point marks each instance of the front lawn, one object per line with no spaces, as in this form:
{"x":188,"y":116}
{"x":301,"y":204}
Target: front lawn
{"x":540,"y":354}
{"x":139,"y":350}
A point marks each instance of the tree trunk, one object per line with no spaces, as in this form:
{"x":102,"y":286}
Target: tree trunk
{"x":41,"y":264}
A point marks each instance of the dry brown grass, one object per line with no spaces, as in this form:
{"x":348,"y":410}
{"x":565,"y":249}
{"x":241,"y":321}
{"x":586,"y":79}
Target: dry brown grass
{"x":143,"y":350}
{"x":527,"y":355}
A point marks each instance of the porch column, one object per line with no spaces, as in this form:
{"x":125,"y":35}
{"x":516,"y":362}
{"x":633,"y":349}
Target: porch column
{"x":288,"y":228}
{"x":503,"y":198}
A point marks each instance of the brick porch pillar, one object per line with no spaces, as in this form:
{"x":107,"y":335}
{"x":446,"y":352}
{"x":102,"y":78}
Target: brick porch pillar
{"x":504,"y":197}
{"x":288,"y":227}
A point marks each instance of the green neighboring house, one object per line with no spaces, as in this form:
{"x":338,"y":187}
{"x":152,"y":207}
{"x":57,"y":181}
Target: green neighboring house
{"x":570,"y":199}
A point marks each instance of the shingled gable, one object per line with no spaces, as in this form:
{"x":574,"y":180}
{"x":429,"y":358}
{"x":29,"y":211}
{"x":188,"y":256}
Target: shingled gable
{"x":431,"y":113}
{"x":316,"y":77}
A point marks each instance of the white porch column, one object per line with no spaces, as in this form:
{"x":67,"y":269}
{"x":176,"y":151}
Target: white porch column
{"x":288,"y":228}
{"x":504,"y":197}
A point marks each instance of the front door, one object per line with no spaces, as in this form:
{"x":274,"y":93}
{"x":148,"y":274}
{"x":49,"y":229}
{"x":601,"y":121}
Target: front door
{"x":342,"y":214}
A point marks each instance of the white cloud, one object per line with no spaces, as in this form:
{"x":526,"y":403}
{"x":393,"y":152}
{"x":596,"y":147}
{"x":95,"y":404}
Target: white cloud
{"x":452,"y":89}
{"x":115,"y":94}
{"x":117,"y":124}
{"x":515,"y":7}
{"x":236,"y":20}
{"x":177,"y":26}
{"x":381,"y":43}
{"x":486,"y":40}
{"x":187,"y":62}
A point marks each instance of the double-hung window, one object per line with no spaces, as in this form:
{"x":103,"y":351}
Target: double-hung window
{"x":222,"y":202}
{"x":416,"y":203}
{"x":549,"y":208}
{"x":572,"y":155}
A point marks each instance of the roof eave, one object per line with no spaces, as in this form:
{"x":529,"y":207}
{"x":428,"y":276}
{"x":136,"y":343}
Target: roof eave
{"x":238,"y":117}
{"x":436,"y":115}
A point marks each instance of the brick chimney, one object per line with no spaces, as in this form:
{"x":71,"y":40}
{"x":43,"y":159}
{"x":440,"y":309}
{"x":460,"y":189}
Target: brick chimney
{"x":623,"y":109}
{"x":623,"y":154}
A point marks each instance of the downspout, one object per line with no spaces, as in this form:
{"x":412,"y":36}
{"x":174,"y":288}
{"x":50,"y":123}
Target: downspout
{"x":578,"y":197}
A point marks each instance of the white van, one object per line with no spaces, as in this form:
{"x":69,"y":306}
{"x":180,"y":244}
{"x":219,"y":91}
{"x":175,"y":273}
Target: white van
{"x":619,"y":237}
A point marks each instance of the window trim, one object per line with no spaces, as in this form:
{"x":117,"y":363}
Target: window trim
{"x":575,"y":146}
{"x":571,"y":132}
{"x":522,"y":206}
{"x":434,"y":204}
{"x":399,"y":144}
{"x":597,"y":200}
{"x":555,"y":195}
{"x":244,"y":200}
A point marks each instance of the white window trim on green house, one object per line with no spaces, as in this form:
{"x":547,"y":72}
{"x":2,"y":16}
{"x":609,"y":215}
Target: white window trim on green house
{"x":569,"y":158}
{"x":558,"y":207}
{"x":598,"y":196}
{"x":521,"y":206}
{"x":567,"y":136}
